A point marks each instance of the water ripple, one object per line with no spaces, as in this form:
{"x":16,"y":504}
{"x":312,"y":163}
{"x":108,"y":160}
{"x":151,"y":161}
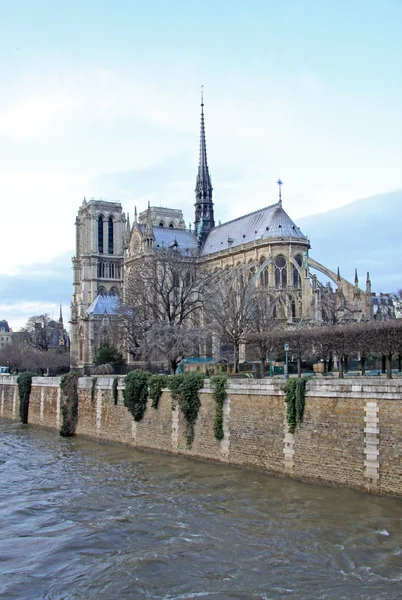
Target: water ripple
{"x":81,"y":520}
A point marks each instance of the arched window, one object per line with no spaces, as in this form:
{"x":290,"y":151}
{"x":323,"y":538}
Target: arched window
{"x":110,"y":235}
{"x":171,"y":225}
{"x":296,"y":276}
{"x":264,"y":273}
{"x":100,"y":234}
{"x":161,"y":224}
{"x":280,"y":272}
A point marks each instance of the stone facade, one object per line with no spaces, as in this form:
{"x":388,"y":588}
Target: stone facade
{"x":265,"y":243}
{"x":351,"y":433}
{"x":101,"y":236}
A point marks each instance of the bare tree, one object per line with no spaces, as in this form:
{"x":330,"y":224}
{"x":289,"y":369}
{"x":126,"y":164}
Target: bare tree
{"x":160,"y":316}
{"x":12,"y":356}
{"x":335,"y":309}
{"x":300,"y":342}
{"x":42,"y":332}
{"x":387,"y":340}
{"x":230,"y":308}
{"x":263,"y":335}
{"x":19,"y":357}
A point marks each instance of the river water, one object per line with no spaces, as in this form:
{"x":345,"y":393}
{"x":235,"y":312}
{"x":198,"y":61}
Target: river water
{"x":83,"y":520}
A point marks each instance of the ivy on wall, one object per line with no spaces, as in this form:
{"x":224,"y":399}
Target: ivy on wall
{"x":135,"y":393}
{"x":184,"y":391}
{"x":156,"y":384}
{"x":219,"y":383}
{"x":24,"y":382}
{"x":174,"y":384}
{"x":69,"y":407}
{"x":295,"y":392}
{"x":115,"y":392}
{"x":93,"y":388}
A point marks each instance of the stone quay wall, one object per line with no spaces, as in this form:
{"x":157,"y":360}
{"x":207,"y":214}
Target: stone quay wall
{"x":351,"y":433}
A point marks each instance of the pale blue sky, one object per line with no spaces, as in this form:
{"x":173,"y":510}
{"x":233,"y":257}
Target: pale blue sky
{"x":102,"y":98}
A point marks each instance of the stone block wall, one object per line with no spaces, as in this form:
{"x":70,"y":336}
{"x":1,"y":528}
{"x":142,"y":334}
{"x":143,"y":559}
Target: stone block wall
{"x":256,"y":427}
{"x":351,"y":434}
{"x":44,"y":402}
{"x":9,"y":400}
{"x":340,"y":432}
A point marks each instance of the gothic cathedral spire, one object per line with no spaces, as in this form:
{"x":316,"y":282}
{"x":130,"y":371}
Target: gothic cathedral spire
{"x":204,"y":207}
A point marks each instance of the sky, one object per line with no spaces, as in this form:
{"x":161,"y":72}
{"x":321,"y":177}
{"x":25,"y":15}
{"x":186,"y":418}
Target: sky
{"x":101,"y":99}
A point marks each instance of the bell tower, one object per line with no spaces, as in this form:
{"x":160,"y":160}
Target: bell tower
{"x":100,"y":231}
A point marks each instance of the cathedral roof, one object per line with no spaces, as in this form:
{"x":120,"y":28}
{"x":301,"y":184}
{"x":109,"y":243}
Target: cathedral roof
{"x":267,"y":223}
{"x":103,"y":303}
{"x":181,"y":238}
{"x":169,"y":237}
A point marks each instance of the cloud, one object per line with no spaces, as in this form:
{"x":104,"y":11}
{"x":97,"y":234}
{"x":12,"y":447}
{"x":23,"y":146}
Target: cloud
{"x":31,"y":116}
{"x":124,"y":136}
{"x":37,"y":289}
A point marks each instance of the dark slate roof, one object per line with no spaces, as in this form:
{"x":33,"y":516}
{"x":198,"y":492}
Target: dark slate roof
{"x":103,"y":303}
{"x":267,"y":223}
{"x":4,"y":325}
{"x":167,"y":236}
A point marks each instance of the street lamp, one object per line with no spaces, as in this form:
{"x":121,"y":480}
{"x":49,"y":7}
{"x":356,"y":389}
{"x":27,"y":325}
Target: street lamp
{"x":286,"y":348}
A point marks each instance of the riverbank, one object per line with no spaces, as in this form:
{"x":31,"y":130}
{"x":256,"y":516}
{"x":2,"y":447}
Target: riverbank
{"x":351,"y":434}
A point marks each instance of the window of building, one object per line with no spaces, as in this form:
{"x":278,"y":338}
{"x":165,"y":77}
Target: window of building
{"x":100,"y":234}
{"x":296,"y":276}
{"x":110,"y":235}
{"x":280,"y":272}
{"x":264,"y":273}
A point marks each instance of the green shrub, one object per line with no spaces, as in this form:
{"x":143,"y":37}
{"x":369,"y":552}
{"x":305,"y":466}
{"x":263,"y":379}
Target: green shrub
{"x":106,"y":354}
{"x":69,"y":407}
{"x":135,"y":393}
{"x":24,"y":382}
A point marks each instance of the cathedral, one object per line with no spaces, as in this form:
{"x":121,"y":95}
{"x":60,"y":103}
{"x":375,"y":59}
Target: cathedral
{"x":107,"y":247}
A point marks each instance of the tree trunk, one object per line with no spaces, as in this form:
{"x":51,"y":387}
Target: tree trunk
{"x":299,"y":367}
{"x":363,"y":364}
{"x":399,"y":362}
{"x":389,"y":366}
{"x":325,"y":366}
{"x":346,"y":362}
{"x":262,"y":369}
{"x":383,"y":363}
{"x":341,"y":371}
{"x":330,"y":363}
{"x":236,"y":357}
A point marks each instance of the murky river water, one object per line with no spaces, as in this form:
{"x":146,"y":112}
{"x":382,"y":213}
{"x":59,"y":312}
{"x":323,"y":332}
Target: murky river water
{"x":85,"y":520}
